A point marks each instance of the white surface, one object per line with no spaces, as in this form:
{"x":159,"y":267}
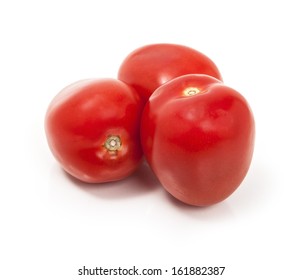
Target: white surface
{"x":51,"y":225}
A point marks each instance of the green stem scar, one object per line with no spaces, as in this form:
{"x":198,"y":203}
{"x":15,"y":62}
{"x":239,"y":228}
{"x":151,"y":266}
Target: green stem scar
{"x":191,"y":91}
{"x":113,"y":143}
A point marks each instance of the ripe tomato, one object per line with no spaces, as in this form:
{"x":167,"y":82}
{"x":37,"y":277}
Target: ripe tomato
{"x":198,"y":137}
{"x":150,"y":66}
{"x":92,"y":128}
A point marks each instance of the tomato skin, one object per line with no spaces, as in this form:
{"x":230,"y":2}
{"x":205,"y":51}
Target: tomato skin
{"x":200,"y":146}
{"x":92,"y":128}
{"x":150,"y":66}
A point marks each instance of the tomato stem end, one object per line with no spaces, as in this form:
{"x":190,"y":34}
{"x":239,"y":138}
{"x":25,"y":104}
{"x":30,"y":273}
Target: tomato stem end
{"x":190,"y":91}
{"x":113,"y":143}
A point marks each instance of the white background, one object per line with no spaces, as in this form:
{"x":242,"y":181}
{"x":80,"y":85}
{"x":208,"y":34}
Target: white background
{"x":52,"y":225}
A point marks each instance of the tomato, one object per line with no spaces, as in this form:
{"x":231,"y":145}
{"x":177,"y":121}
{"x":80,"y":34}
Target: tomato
{"x":198,"y":137}
{"x":92,"y":128}
{"x":150,"y":66}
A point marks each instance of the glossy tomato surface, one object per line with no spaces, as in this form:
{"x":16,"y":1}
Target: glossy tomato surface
{"x":150,"y":66}
{"x":198,"y":137}
{"x":92,"y":128}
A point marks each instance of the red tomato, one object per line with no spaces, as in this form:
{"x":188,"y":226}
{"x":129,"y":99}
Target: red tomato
{"x":92,"y":128}
{"x":150,"y":66}
{"x":198,"y":137}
